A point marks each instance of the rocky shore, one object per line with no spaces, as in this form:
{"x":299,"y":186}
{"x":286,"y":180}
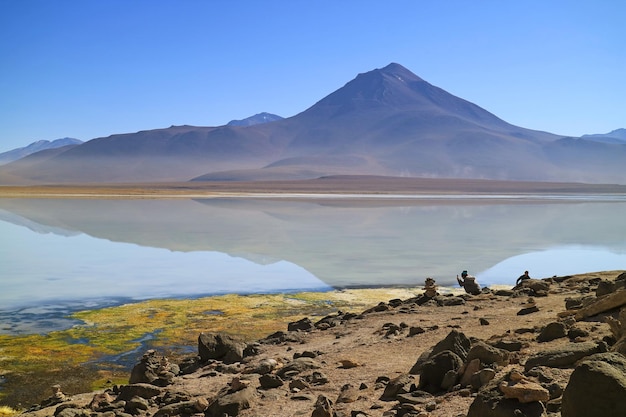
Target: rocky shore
{"x":549,"y":347}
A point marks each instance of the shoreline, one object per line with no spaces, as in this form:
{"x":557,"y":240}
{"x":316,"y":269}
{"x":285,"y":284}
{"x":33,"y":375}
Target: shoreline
{"x":346,"y":187}
{"x":365,"y":339}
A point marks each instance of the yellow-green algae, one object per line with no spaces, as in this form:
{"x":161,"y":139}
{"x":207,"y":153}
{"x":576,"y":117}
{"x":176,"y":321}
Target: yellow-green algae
{"x":171,"y":324}
{"x":6,"y":411}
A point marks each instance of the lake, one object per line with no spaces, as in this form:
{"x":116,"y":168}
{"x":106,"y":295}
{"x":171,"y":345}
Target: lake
{"x":63,"y":255}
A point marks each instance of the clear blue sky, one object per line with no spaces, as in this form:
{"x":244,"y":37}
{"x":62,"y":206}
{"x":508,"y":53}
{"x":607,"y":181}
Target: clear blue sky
{"x":89,"y":68}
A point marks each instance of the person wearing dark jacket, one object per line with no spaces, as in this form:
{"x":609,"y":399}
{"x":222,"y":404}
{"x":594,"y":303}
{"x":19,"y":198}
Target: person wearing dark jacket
{"x":522,"y":277}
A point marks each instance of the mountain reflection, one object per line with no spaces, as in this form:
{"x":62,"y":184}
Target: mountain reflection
{"x":343,"y":243}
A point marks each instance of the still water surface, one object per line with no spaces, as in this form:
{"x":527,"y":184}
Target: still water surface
{"x":60,"y":255}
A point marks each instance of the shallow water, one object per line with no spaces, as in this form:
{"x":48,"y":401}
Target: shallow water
{"x":62,"y":255}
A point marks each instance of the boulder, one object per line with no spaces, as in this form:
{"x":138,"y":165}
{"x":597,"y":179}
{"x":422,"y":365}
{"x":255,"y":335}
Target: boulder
{"x":136,"y":405}
{"x":597,"y":387}
{"x":221,"y":347}
{"x":488,"y":354}
{"x":482,"y":377}
{"x":184,"y":408}
{"x":153,"y":369}
{"x":565,"y":356}
{"x":323,"y":407}
{"x":534,"y":287}
{"x":440,"y":372}
{"x":601,"y":304}
{"x":348,"y":394}
{"x":302,"y":325}
{"x":297,"y":366}
{"x":490,"y":402}
{"x":510,"y":345}
{"x":147,"y":391}
{"x":230,"y":403}
{"x":552,"y":331}
{"x":524,"y":391}
{"x":399,"y":385}
{"x":455,"y":342}
{"x":470,"y":368}
{"x":269,"y":381}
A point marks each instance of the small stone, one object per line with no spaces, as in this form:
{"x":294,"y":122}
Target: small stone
{"x":524,"y":391}
{"x":348,"y":363}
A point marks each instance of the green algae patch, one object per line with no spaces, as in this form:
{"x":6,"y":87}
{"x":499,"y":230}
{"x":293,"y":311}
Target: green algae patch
{"x":111,"y":340}
{"x":6,"y":411}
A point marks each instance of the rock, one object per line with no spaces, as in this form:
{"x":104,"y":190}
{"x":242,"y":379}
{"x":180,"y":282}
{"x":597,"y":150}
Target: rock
{"x":524,"y":391}
{"x":449,"y":301}
{"x":470,"y":368}
{"x":305,"y":354}
{"x":534,"y":287}
{"x":399,"y":385}
{"x":136,"y":405}
{"x":415,"y":330}
{"x":57,"y":397}
{"x":415,"y":397}
{"x":528,"y":310}
{"x":597,"y":387}
{"x":435,"y":372}
{"x":323,"y":407}
{"x":488,"y":354}
{"x":147,"y":391}
{"x":269,"y":381}
{"x":490,"y":402}
{"x":618,"y":329}
{"x":283,"y":337}
{"x":297,"y":366}
{"x":602,"y":304}
{"x":237,"y":384}
{"x":184,"y":408}
{"x":298,"y":384}
{"x":230,"y":403}
{"x":483,"y":321}
{"x":302,"y":325}
{"x":455,"y":342}
{"x":266,"y":366}
{"x":71,"y":412}
{"x":153,"y":369}
{"x":221,"y":347}
{"x":348,"y":394}
{"x":348,"y":363}
{"x":482,"y":377}
{"x":565,"y":356}
{"x":576,"y":332}
{"x":100,"y":401}
{"x":316,"y":378}
{"x":552,"y":331}
{"x":510,"y":345}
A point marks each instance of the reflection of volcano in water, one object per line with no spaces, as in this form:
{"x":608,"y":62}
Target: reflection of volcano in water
{"x":342,"y":243}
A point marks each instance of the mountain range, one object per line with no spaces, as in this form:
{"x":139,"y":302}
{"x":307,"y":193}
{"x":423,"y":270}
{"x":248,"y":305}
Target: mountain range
{"x":387,"y":122}
{"x":40,"y":145}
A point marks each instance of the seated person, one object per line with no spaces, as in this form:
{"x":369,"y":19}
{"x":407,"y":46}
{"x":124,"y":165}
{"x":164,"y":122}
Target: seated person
{"x":522,"y":277}
{"x":468,"y":282}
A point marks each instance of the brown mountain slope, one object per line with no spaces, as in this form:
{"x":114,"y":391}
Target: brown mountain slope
{"x":384,"y":122}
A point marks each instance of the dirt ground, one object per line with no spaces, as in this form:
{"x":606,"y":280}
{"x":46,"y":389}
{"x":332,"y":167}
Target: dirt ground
{"x":371,"y":353}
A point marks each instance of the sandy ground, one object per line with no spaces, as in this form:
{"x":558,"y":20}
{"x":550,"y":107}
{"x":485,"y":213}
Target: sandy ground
{"x":364,"y":342}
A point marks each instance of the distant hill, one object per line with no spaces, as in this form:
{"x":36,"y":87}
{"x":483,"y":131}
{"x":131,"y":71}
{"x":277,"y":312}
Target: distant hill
{"x":40,"y":145}
{"x":617,"y":136}
{"x":256,"y":119}
{"x":387,"y":122}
